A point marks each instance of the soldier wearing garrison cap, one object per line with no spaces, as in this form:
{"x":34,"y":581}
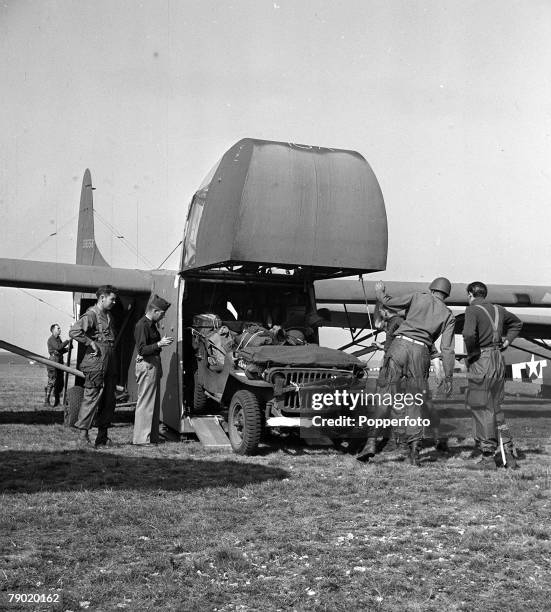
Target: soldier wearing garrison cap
{"x":149,"y":372}
{"x":408,"y":357}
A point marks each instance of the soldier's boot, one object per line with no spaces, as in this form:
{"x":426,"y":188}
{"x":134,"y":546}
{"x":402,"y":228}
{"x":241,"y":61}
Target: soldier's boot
{"x":384,"y":443}
{"x":102,"y":440}
{"x":487,"y":463}
{"x":511,"y":461}
{"x":398,"y":451}
{"x":56,"y":399}
{"x":48,"y":391}
{"x":414,"y":454}
{"x":83,"y":439}
{"x":476,"y":452}
{"x":368,"y":451}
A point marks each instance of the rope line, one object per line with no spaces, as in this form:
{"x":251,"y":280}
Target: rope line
{"x":162,"y":262}
{"x":117,"y":234}
{"x":45,"y":302}
{"x":42,"y":242}
{"x":366,"y":303}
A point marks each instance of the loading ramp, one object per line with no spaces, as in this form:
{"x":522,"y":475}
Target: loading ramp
{"x":210,"y":432}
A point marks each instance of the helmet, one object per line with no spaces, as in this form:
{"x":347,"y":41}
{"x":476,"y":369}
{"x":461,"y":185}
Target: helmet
{"x":314,"y":320}
{"x":441,"y":284}
{"x":295,"y":337}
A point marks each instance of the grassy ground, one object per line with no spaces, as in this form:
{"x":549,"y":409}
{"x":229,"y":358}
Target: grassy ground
{"x":174,"y":527}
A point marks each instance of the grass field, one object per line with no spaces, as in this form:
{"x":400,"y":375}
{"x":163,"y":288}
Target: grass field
{"x":175,"y":527}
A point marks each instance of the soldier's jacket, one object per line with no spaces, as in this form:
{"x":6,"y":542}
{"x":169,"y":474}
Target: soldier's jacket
{"x":95,"y":326}
{"x":427,"y":318}
{"x":56,"y":348}
{"x":392,"y":326}
{"x":478,"y":330}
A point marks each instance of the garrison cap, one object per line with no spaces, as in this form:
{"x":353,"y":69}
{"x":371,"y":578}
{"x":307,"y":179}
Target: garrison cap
{"x":159,"y":302}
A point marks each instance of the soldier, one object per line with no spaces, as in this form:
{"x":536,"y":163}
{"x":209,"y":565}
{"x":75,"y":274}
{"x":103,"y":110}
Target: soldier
{"x":485,"y":325}
{"x":149,"y":372}
{"x":387,"y":321}
{"x":302,"y":328}
{"x":95,"y":330}
{"x":56,"y":348}
{"x":408,"y":356}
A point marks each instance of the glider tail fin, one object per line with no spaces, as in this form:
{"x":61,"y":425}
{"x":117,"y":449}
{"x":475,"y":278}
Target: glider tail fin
{"x":87,"y":249}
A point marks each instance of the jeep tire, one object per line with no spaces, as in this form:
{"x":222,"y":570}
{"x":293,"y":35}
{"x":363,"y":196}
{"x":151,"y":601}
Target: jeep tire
{"x":244,"y":423}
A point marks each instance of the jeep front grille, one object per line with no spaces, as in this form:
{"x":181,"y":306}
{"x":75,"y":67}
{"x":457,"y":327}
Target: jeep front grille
{"x":295,"y":378}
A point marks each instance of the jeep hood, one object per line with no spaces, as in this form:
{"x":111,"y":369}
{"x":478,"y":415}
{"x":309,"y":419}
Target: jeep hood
{"x":307,"y":356}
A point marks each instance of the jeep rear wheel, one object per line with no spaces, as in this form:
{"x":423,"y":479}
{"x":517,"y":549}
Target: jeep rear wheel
{"x":244,"y":423}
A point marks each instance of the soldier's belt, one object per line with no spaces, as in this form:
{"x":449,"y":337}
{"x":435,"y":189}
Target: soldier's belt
{"x":412,"y":340}
{"x":147,"y":358}
{"x":493,"y":347}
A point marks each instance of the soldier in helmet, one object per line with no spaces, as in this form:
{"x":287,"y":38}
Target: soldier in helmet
{"x":408,"y":357}
{"x":302,"y":328}
{"x":388,"y":321}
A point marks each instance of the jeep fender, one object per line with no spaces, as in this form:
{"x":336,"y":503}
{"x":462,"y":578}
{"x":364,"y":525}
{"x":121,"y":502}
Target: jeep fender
{"x":237,"y":381}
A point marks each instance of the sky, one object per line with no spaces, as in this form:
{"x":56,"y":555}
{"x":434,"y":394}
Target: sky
{"x":448,"y":100}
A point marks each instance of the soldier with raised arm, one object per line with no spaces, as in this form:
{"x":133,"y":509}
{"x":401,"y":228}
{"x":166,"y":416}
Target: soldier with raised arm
{"x":408,"y":357}
{"x":56,"y":349}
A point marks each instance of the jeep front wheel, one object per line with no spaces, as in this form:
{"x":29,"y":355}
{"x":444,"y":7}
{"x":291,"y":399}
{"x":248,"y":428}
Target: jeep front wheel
{"x":244,"y":423}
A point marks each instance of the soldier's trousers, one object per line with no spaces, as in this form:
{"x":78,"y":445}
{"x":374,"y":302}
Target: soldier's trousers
{"x":146,"y":418}
{"x":430,"y":412}
{"x":99,"y":391}
{"x":406,"y":367}
{"x":55,"y":380}
{"x":486,"y":378}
